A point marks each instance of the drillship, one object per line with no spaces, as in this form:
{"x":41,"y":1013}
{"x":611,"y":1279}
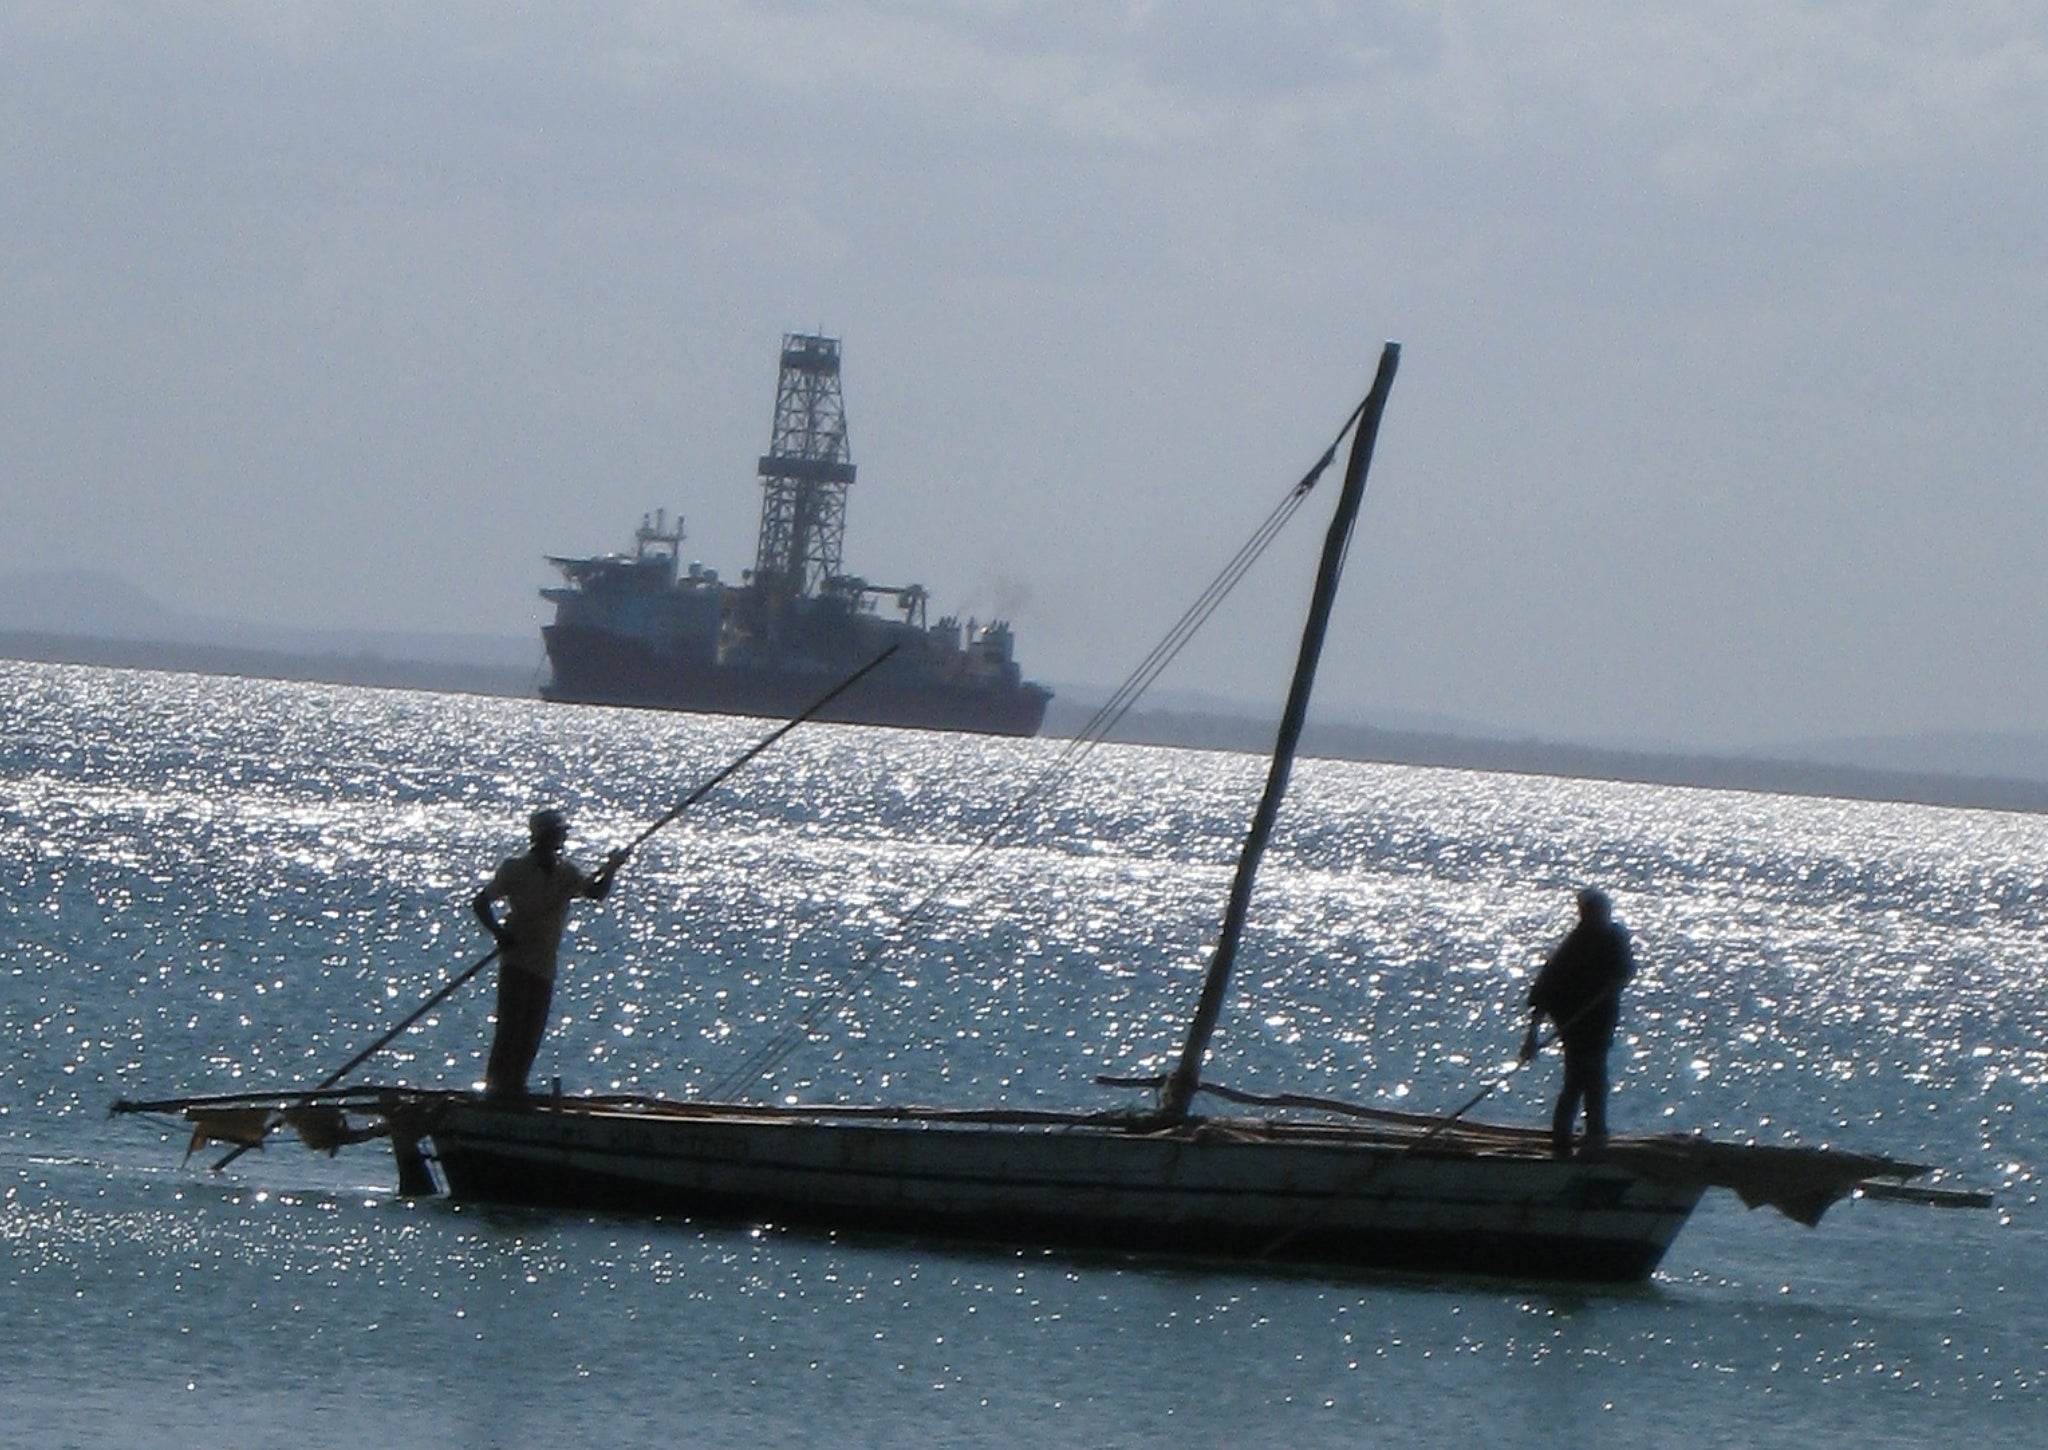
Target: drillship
{"x":640,"y":629}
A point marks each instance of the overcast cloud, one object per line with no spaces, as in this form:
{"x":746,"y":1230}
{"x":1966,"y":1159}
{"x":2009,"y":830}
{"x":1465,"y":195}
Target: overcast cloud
{"x":1719,"y":418}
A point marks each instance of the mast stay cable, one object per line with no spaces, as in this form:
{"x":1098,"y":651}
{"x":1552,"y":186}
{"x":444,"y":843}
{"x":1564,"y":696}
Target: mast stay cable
{"x":773,"y":1052}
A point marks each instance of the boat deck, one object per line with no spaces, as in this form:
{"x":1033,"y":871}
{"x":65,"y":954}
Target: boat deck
{"x":1801,"y":1182}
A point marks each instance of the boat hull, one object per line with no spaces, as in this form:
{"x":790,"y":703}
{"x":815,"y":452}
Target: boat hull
{"x":592,"y":668}
{"x":1210,"y":1192}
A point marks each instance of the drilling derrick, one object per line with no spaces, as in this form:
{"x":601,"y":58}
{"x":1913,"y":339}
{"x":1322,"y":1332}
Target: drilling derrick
{"x":805,"y":474}
{"x":639,"y":630}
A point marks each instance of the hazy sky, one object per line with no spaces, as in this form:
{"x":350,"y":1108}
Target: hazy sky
{"x":1720,"y":417}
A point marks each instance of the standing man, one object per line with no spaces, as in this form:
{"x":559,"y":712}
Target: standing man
{"x":537,"y":888}
{"x":1579,"y":989}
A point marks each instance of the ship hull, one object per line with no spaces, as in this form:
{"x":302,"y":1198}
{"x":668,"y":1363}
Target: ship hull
{"x":1210,"y":1193}
{"x":593,"y":668}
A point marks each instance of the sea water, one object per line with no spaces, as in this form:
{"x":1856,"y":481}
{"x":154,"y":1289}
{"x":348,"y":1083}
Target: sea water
{"x":212,"y":885}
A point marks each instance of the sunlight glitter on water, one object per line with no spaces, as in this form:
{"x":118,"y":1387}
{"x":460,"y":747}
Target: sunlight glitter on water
{"x":290,"y":864}
{"x":219,"y":884}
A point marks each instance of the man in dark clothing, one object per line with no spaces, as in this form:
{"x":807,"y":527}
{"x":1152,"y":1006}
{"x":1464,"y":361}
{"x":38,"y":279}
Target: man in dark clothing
{"x":537,"y":889}
{"x":1579,"y":989}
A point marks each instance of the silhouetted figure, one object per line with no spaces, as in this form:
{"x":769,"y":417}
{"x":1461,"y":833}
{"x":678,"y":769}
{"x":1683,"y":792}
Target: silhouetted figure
{"x":1579,"y":989}
{"x":537,"y":888}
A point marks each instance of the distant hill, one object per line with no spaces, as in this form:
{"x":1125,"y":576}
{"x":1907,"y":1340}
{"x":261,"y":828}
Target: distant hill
{"x":80,"y":601}
{"x":89,"y":605}
{"x":2020,"y":755}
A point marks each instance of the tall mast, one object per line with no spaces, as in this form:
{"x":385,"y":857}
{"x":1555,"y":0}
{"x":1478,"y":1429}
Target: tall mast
{"x":1180,"y":1087}
{"x":805,"y":473}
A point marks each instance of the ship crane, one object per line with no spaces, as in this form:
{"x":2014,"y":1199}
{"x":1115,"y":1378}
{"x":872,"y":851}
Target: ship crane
{"x":910,"y":598}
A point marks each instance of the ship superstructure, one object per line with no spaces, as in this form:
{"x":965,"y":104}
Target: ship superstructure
{"x":640,"y":629}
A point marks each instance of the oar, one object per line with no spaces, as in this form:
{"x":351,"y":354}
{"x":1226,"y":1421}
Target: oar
{"x":492,"y":955}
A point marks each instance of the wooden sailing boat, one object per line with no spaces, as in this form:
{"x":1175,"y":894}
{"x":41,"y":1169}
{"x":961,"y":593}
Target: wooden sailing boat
{"x":1341,"y":1186}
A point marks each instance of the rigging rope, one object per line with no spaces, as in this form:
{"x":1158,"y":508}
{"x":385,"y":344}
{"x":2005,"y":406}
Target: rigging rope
{"x":773,"y":1052}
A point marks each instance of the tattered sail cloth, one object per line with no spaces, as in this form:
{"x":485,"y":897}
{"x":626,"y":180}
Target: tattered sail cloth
{"x":322,"y":1127}
{"x":1801,"y":1183}
{"x":244,"y":1127}
{"x":327,"y":1129}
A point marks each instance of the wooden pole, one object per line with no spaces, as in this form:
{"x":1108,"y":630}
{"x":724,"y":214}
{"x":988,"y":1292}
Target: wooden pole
{"x":1180,"y":1087}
